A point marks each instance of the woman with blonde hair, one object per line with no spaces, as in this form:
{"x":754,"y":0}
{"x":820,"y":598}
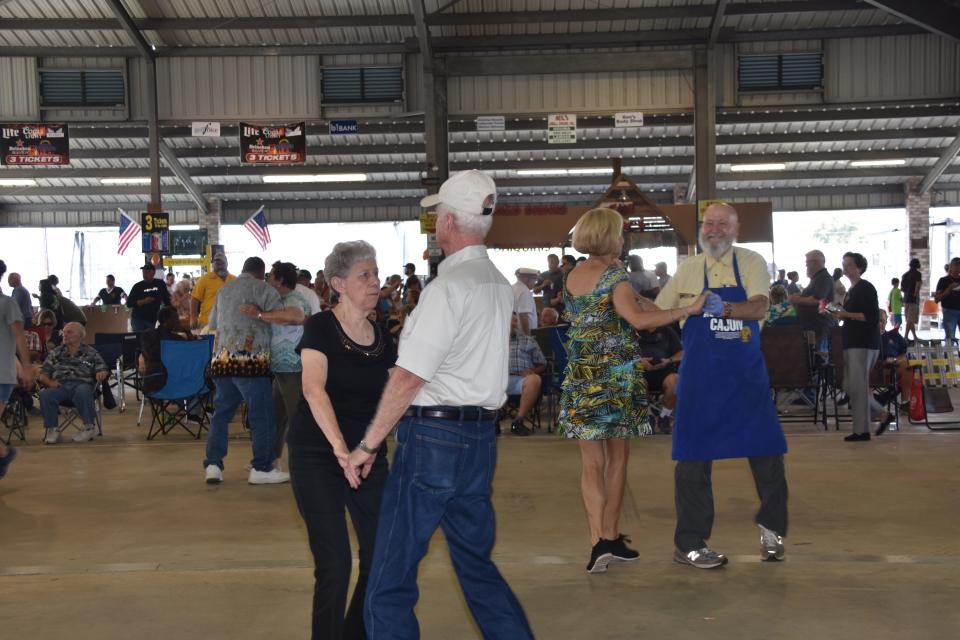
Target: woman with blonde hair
{"x":604,"y":396}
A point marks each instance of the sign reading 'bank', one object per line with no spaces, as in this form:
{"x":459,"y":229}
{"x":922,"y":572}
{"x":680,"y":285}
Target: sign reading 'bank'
{"x":344,"y":127}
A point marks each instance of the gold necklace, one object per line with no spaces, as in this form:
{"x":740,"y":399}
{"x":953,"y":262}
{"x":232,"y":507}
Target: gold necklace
{"x":349,"y":345}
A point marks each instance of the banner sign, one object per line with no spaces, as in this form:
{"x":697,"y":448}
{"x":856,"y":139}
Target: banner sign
{"x":206,"y":129}
{"x":343,"y":127}
{"x":628,"y":119}
{"x":491,"y":123}
{"x":428,"y":222}
{"x":273,"y":144}
{"x":34,"y":144}
{"x":562,"y":128}
{"x":156,"y":232}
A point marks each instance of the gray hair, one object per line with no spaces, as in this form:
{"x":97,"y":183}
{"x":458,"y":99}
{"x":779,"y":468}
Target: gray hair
{"x":345,"y":255}
{"x":469,"y":223}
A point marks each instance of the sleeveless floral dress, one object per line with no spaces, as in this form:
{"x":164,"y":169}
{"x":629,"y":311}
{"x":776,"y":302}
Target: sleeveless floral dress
{"x":604,"y":393}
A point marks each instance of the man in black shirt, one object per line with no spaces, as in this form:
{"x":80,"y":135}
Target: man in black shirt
{"x":412,"y":281}
{"x":551,"y":283}
{"x":110,"y":294}
{"x":808,"y":301}
{"x":910,"y":286}
{"x":948,"y":295}
{"x":146,"y":298}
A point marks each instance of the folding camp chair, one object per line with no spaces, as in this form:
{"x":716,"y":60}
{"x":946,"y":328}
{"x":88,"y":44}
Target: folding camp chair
{"x":186,"y":389}
{"x":124,"y":367}
{"x":14,"y":417}
{"x":792,"y":367}
{"x":939,"y":367}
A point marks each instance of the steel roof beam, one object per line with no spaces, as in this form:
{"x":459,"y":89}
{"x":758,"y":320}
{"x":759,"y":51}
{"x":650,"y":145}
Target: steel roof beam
{"x":717,"y":22}
{"x":941,"y":18}
{"x":629,"y":163}
{"x":566,"y":63}
{"x":184,"y":177}
{"x":945,"y":160}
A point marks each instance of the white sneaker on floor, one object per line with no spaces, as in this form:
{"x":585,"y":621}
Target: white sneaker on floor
{"x":51,"y":436}
{"x":214,"y":474}
{"x":268,"y":477}
{"x":89,"y":432}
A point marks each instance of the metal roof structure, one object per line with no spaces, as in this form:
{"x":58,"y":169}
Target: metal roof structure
{"x":891,"y":92}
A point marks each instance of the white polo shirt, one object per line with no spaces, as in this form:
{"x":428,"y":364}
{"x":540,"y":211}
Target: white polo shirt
{"x":523,"y":303}
{"x":458,"y":337}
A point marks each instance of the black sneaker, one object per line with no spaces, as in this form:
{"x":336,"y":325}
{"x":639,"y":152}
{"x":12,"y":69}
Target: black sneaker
{"x":857,"y":437}
{"x":886,"y":423}
{"x":600,"y":557}
{"x":518,"y":429}
{"x":620,"y":551}
{"x":665,"y":425}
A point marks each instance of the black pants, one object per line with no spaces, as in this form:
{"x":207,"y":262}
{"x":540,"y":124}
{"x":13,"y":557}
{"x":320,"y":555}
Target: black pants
{"x":694,"y":499}
{"x":322,"y":493}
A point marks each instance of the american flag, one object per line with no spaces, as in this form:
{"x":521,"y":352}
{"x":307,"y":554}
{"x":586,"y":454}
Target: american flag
{"x":129,"y":230}
{"x":257,"y":225}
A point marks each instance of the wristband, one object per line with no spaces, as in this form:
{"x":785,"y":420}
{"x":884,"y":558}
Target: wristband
{"x":363,"y":447}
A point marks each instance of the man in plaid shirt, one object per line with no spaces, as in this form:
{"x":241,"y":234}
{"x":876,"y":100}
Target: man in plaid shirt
{"x":526,"y":363}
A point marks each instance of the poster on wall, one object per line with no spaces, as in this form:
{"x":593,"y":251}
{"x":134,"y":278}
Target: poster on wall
{"x":562,"y":128}
{"x":156,"y":232}
{"x":34,"y":144}
{"x":273,"y":144}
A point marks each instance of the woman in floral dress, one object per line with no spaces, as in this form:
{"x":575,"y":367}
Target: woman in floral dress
{"x":604,"y":396}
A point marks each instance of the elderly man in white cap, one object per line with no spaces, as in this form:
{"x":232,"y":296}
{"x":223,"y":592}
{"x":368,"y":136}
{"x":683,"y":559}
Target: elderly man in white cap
{"x":523,"y":304}
{"x":449,"y":380}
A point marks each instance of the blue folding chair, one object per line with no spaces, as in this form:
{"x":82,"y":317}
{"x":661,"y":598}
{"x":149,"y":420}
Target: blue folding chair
{"x":186,"y":363}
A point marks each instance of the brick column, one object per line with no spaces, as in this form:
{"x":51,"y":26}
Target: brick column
{"x":211,"y":221}
{"x":918,"y":223}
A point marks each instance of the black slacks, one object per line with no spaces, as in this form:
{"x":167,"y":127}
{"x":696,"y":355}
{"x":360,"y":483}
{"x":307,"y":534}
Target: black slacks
{"x":694,"y":499}
{"x":322,"y":494}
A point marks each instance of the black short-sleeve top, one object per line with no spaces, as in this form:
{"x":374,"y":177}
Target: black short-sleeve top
{"x":356,"y":376}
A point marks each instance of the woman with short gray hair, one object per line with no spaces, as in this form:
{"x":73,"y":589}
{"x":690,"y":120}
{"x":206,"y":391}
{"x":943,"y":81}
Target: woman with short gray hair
{"x":346,"y":360}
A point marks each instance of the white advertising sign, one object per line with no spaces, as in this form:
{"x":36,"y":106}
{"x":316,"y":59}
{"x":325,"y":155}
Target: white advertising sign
{"x":491,"y":123}
{"x":629,"y":119}
{"x":206,"y":129}
{"x":562,"y":128}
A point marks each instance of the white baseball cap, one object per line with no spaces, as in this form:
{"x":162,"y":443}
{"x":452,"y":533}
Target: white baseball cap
{"x":469,"y":191}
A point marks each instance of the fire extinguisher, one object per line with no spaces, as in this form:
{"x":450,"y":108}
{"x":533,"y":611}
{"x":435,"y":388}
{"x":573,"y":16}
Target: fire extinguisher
{"x":918,"y":412}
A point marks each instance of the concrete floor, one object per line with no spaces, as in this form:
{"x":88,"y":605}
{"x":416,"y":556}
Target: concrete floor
{"x":121,"y":537}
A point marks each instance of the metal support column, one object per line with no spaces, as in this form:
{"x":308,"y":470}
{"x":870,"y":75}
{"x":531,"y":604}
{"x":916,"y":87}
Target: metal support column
{"x":705,"y":127}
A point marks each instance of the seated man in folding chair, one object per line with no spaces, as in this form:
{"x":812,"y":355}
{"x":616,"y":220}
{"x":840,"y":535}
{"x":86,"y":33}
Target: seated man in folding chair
{"x":525,"y":366}
{"x":71,"y":372}
{"x":893,"y":352}
{"x":661,"y":351}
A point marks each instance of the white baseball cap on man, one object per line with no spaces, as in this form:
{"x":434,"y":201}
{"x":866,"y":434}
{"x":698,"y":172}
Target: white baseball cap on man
{"x":469,"y":191}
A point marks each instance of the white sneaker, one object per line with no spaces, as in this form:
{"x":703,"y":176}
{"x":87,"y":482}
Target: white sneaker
{"x":89,"y":432}
{"x":214,"y":474}
{"x":51,"y":436}
{"x":268,"y":477}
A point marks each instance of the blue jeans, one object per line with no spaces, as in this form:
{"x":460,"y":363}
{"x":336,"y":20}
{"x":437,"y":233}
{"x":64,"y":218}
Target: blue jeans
{"x":441,"y":476}
{"x":950,"y":318}
{"x":80,"y":393}
{"x":258,"y":395}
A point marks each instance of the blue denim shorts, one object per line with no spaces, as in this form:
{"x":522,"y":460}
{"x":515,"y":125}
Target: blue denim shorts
{"x":5,"y":391}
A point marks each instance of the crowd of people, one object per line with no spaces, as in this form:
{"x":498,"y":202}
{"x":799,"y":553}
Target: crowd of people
{"x":330,"y":365}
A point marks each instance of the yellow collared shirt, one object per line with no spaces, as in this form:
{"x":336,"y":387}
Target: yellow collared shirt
{"x":206,"y":289}
{"x":684,"y":287}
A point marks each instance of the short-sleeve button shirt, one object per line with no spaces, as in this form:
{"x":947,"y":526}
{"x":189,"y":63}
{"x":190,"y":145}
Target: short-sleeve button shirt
{"x":206,"y":291}
{"x":687,"y":283}
{"x":457,"y":338}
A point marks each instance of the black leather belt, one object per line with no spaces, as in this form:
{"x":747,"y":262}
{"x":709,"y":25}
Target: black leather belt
{"x":478,"y":414}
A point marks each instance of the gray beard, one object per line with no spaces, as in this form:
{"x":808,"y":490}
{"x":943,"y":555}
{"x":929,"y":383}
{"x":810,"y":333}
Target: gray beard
{"x":716,"y":252}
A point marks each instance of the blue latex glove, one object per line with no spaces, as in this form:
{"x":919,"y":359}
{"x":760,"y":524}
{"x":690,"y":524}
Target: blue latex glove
{"x":713,"y":305}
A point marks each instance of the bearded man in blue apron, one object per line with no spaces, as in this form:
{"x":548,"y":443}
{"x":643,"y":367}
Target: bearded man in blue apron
{"x":724,"y":405}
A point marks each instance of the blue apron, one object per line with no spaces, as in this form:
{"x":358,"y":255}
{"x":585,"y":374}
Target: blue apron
{"x":724,"y":405}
